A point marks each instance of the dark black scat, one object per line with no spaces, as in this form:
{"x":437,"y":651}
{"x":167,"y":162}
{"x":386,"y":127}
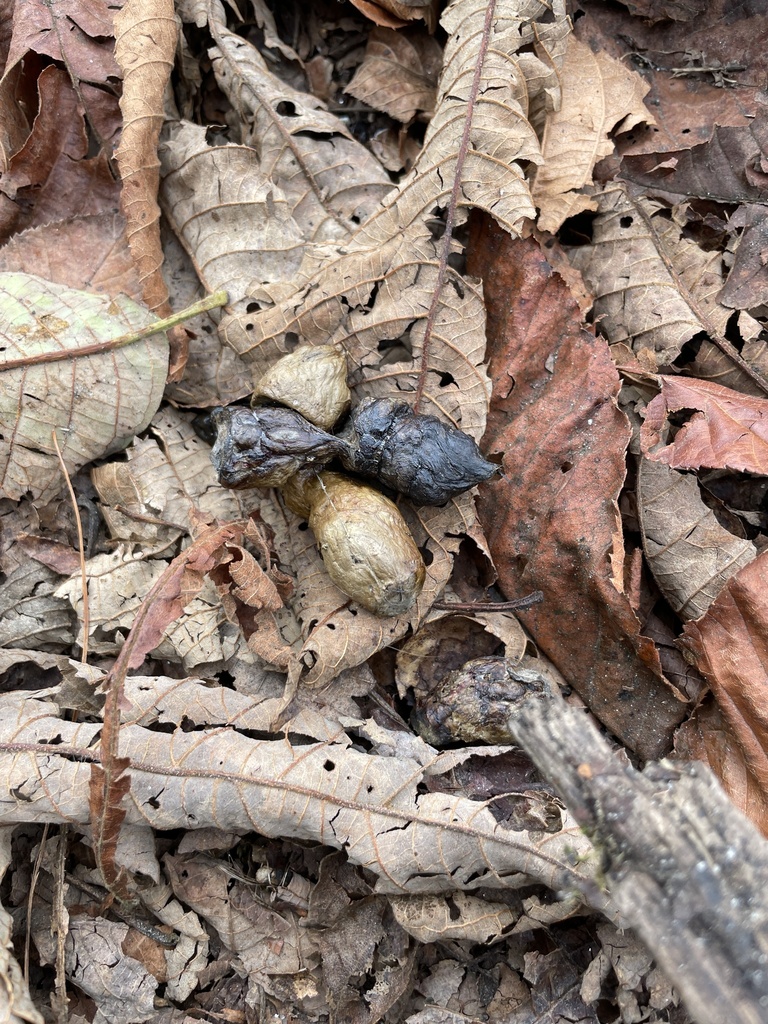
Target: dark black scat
{"x":264,"y":447}
{"x":417,"y":455}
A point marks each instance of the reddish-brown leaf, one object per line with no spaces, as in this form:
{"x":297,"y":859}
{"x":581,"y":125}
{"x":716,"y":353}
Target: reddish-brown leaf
{"x":729,"y":645}
{"x":551,"y":518}
{"x":728,"y":430}
{"x":708,"y":737}
{"x":108,"y":787}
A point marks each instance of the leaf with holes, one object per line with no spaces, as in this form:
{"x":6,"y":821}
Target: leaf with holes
{"x":94,"y":403}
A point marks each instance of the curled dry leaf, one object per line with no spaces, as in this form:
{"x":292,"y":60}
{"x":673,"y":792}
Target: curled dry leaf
{"x":724,"y":429}
{"x":435,"y":918}
{"x":96,"y":403}
{"x":598,"y":93}
{"x":399,"y":73}
{"x":653,"y":288}
{"x":414,"y":841}
{"x":145,"y":47}
{"x":690,"y":554}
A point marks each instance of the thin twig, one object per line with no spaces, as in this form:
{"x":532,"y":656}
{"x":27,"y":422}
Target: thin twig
{"x":81,"y":549}
{"x":450,"y":216}
{"x":518,"y":604}
{"x":213,"y":301}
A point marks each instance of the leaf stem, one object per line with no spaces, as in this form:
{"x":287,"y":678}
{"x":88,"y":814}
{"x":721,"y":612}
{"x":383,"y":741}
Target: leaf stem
{"x":213,"y":301}
{"x":450,"y":216}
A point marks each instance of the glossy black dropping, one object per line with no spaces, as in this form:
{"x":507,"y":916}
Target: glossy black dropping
{"x":418,"y":455}
{"x":264,"y":447}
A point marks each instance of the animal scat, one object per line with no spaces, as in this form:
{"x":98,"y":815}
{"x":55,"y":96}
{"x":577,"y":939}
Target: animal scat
{"x":365,"y":543}
{"x":265,"y":447}
{"x":418,"y":455}
{"x":311,"y":380}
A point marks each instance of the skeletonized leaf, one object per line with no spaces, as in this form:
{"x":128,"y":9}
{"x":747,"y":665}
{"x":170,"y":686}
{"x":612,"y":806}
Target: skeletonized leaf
{"x":95,"y":403}
{"x":598,"y":92}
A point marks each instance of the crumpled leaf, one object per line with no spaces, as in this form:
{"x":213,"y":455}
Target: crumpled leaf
{"x":96,"y":403}
{"x":330,"y":182}
{"x":724,"y":429}
{"x":690,"y":554}
{"x":653,"y":288}
{"x":161,"y":484}
{"x":375,"y":807}
{"x":145,"y":47}
{"x":399,"y":73}
{"x":598,"y":93}
{"x":120,"y":986}
{"x":265,"y":941}
{"x":730,"y":647}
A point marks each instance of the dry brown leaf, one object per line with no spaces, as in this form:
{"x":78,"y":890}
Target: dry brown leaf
{"x":724,"y":429}
{"x":598,"y":93}
{"x":145,"y":47}
{"x":31,"y":615}
{"x":435,"y":918}
{"x":375,"y":807}
{"x":95,"y":403}
{"x":120,"y":986}
{"x":238,"y":225}
{"x":51,"y":176}
{"x":398,"y":13}
{"x":653,"y":288}
{"x":399,"y":73}
{"x":120,"y":584}
{"x":729,"y":645}
{"x":330,"y":182}
{"x":161,"y":483}
{"x":709,"y":737}
{"x":265,"y":941}
{"x":690,"y":554}
{"x":88,"y":252}
{"x":551,"y":516}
